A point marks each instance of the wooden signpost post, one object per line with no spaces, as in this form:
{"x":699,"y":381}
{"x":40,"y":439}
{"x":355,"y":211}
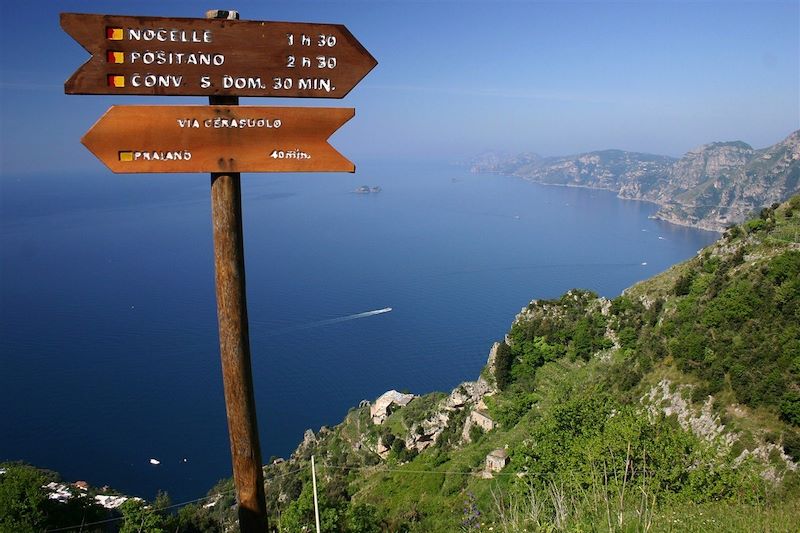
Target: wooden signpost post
{"x":222,"y":58}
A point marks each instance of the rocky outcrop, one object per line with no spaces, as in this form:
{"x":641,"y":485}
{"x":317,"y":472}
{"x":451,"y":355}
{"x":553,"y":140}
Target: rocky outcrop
{"x":468,"y":393}
{"x":718,"y":184}
{"x":490,"y":371}
{"x":763,"y":454}
{"x":479,"y":417}
{"x":710,"y":187}
{"x":425,"y":434}
{"x":669,"y":399}
{"x":466,"y":396}
{"x":386,"y":403}
{"x":503,"y":163}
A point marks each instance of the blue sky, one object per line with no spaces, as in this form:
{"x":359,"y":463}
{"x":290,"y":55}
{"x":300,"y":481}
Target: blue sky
{"x":457,"y":78}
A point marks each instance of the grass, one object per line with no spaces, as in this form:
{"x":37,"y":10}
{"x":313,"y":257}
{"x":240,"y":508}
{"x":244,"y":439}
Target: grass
{"x":604,"y":506}
{"x":691,"y":518}
{"x":432,"y":491}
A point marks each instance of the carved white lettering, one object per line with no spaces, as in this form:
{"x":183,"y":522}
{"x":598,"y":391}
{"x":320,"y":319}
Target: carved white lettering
{"x":157,"y":155}
{"x":170,"y":35}
{"x":326,"y":40}
{"x":326,"y":62}
{"x":161,"y":57}
{"x":289,"y":154}
{"x":281,"y":83}
{"x":152,"y":80}
{"x":229,"y":82}
{"x":188,"y":123}
{"x":317,"y":84}
{"x":220,"y":122}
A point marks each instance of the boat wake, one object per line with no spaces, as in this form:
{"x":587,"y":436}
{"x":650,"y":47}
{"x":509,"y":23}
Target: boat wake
{"x":330,"y":321}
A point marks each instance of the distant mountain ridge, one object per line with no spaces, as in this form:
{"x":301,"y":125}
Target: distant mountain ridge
{"x":710,"y":187}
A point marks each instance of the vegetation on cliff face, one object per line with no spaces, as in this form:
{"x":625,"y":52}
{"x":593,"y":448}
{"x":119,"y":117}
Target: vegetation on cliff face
{"x":33,"y":500}
{"x":710,"y":187}
{"x":673,"y":407}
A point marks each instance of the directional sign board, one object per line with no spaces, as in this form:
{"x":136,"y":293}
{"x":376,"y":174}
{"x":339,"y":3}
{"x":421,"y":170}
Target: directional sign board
{"x":220,"y":58}
{"x":207,"y":57}
{"x":133,"y":139}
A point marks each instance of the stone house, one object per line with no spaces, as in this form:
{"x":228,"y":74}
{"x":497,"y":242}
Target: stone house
{"x":481,"y":418}
{"x":496,"y":460}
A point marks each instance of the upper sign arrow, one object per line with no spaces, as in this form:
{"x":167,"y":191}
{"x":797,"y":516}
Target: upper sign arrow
{"x":204,"y":57}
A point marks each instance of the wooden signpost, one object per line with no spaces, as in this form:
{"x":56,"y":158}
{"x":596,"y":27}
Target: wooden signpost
{"x":131,"y":139}
{"x":222,"y":58}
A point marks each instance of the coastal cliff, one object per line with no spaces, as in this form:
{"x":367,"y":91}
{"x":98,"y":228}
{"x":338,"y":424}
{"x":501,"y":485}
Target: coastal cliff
{"x":710,"y":187}
{"x":673,"y":405}
{"x":684,"y":389}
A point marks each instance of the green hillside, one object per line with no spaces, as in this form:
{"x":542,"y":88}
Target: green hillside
{"x":674,"y":407}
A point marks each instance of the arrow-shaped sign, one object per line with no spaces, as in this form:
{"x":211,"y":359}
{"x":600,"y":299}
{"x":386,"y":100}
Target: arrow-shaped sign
{"x":134,"y":139}
{"x":205,"y":57}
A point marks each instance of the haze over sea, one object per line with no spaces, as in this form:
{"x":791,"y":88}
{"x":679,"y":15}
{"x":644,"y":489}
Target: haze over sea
{"x":108,"y":332}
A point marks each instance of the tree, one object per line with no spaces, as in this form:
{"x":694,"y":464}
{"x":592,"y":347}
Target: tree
{"x":363,"y":518}
{"x":197,"y":519}
{"x":582,"y":340}
{"x":683,"y":285}
{"x":476,"y":433}
{"x":139,"y":518}
{"x":502,"y":365}
{"x":22,"y":500}
{"x":790,"y":407}
{"x":299,"y":515}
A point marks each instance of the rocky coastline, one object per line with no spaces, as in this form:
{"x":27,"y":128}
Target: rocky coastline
{"x":711,"y":187}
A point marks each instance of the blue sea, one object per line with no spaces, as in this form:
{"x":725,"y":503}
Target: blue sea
{"x":108,"y":333}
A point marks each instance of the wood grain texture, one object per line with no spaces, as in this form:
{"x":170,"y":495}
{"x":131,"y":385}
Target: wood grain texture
{"x":234,"y":343}
{"x":144,"y":139}
{"x":250,"y":50}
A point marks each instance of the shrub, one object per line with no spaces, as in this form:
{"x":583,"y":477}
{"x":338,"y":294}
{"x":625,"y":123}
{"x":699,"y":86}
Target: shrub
{"x":683,"y":285}
{"x":755,"y":225}
{"x":790,"y":407}
{"x":502,"y":365}
{"x":476,"y":433}
{"x":22,"y":499}
{"x":791,"y":444}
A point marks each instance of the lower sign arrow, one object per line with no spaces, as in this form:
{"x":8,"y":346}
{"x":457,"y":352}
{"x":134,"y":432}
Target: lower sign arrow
{"x":143,"y":139}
